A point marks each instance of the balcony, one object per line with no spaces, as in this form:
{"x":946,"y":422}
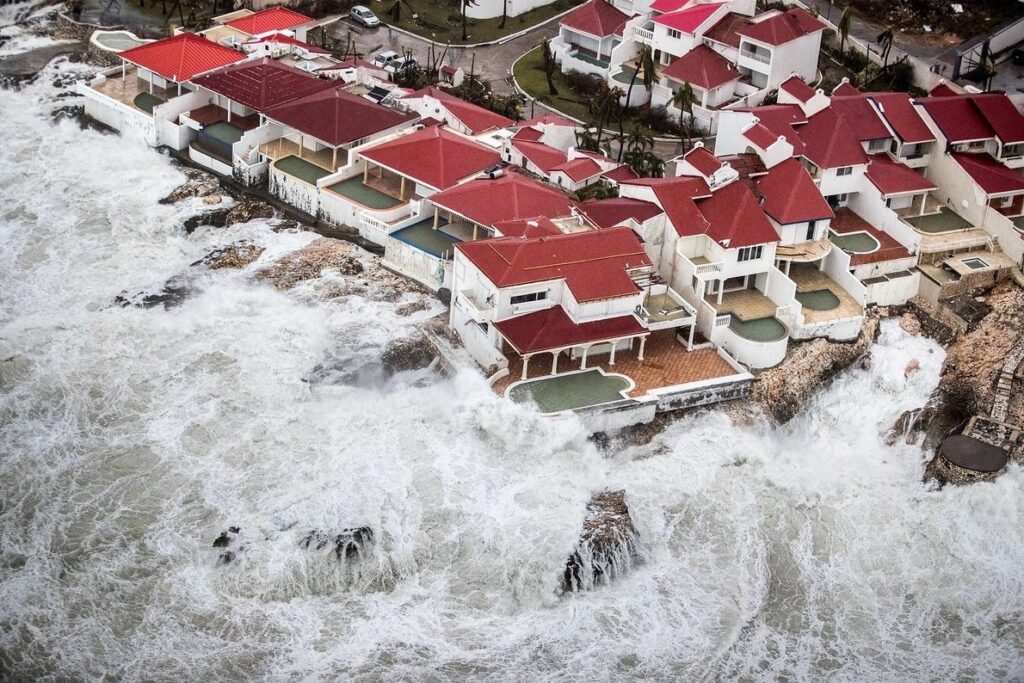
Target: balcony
{"x":664,"y":308}
{"x":480,"y":311}
{"x":757,"y":56}
{"x":705,"y":269}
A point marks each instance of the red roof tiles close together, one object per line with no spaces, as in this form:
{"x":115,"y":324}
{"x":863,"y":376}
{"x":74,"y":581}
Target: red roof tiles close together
{"x":990,"y":175}
{"x":262,"y":84}
{"x":783,"y":27}
{"x":789,"y":195}
{"x":596,"y":18}
{"x":690,"y":19}
{"x":181,"y":57}
{"x":553,"y":329}
{"x":893,"y":178}
{"x":607,"y":213}
{"x":702,"y":67}
{"x":475,"y":118}
{"x":797,"y":88}
{"x":433,"y":156}
{"x":265,"y":21}
{"x":336,"y":117}
{"x":509,"y":197}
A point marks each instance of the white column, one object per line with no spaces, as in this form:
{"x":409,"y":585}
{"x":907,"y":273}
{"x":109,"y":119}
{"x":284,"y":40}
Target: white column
{"x":689,"y":344}
{"x":643,"y":342}
{"x":611,"y":359}
{"x":526,"y":362}
{"x":788,"y":264}
{"x":554,"y":363}
{"x":721,"y":291}
{"x":179,"y":89}
{"x":583,"y":364}
{"x":124,"y":70}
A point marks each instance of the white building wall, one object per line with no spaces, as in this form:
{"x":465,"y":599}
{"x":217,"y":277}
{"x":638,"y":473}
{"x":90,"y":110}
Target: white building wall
{"x":798,"y":56}
{"x":831,"y":183}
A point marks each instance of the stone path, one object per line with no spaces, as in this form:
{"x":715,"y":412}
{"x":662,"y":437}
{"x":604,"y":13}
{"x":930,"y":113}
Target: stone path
{"x":1001,"y":402}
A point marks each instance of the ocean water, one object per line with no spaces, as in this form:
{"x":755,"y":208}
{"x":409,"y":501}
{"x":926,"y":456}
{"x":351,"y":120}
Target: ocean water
{"x":129,"y":439}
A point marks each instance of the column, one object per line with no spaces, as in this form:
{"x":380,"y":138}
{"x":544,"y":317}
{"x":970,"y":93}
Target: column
{"x":401,"y":189}
{"x":437,"y":216}
{"x":526,"y":362}
{"x":302,"y":140}
{"x":554,"y":363}
{"x":788,"y":264}
{"x":689,"y":344}
{"x":334,"y":159}
{"x":583,"y":364}
{"x":124,"y":70}
{"x":821,"y":266}
{"x":643,"y":342}
{"x":179,"y":89}
{"x":611,"y":359}
{"x":474,"y":230}
{"x":721,"y":291}
{"x":229,"y":111}
{"x":366,"y":172}
{"x":150,"y":84}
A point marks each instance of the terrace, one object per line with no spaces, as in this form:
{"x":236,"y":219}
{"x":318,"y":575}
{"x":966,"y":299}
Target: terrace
{"x":133,"y":91}
{"x":745,"y":304}
{"x":666,"y":363}
{"x":821,"y":297}
{"x":328,"y":159}
{"x":865,"y":243}
{"x":426,"y":238}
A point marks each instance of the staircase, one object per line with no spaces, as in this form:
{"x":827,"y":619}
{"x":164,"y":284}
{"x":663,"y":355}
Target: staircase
{"x":1004,"y":385}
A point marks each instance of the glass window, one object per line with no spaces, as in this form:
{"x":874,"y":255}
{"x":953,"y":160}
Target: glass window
{"x":845,"y":170}
{"x":750,"y":253}
{"x":526,"y":298}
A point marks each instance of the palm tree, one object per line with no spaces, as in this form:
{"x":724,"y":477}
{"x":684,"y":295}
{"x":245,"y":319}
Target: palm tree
{"x":645,"y":65}
{"x":504,"y":13}
{"x":682,"y":99}
{"x":844,"y":29}
{"x":606,"y":101}
{"x":548,"y":62}
{"x":885,"y":45}
{"x":463,"y":6}
{"x":585,"y":140}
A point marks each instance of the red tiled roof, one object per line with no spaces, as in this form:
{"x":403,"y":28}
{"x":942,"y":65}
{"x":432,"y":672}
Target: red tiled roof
{"x":830,"y":140}
{"x":899,"y":112}
{"x":942,"y":90}
{"x":862,"y":118}
{"x":337,"y":117}
{"x":665,"y":6}
{"x":285,"y":39}
{"x":747,"y":164}
{"x":703,"y":160}
{"x":845,"y":90}
{"x":433,"y":156}
{"x":475,"y":118}
{"x":781,"y":119}
{"x":594,"y":264}
{"x":549,"y":119}
{"x":762,"y":137}
{"x":535,"y":226}
{"x":726,"y":31}
{"x":990,"y":175}
{"x":579,"y":169}
{"x":1002,"y":115}
{"x":265,"y":21}
{"x":597,"y":18}
{"x":543,"y":156}
{"x":797,"y":88}
{"x":509,"y":197}
{"x":702,"y":67}
{"x":262,"y":84}
{"x":607,"y":213}
{"x":783,"y":27}
{"x":553,"y":329}
{"x":957,"y":118}
{"x":789,"y":194}
{"x":621,"y":173}
{"x":181,"y":57}
{"x":893,"y":178}
{"x":690,"y":19}
{"x":527,"y":135}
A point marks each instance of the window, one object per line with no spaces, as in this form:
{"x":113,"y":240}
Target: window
{"x":750,"y":253}
{"x":877,"y":145}
{"x":810,"y":229}
{"x":672,"y":33}
{"x":844,"y":170}
{"x":526,"y":298}
{"x":1007,"y":202}
{"x":1013,"y":150}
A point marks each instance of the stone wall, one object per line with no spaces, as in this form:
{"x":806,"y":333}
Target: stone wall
{"x":69,"y":29}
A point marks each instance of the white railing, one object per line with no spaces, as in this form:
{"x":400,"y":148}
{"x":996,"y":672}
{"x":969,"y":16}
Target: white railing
{"x":756,"y":56}
{"x":373,"y":223}
{"x":723,"y":320}
{"x":708,"y":268}
{"x":480,"y":311}
{"x":643,"y":35}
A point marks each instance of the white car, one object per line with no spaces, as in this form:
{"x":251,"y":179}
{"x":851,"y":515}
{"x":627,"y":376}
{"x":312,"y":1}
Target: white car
{"x":384,"y":58}
{"x":362,"y":15}
{"x":401,"y":64}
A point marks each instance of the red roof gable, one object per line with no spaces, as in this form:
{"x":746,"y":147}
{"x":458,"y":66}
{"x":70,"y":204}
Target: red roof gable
{"x":535,"y":226}
{"x":285,"y":39}
{"x":607,"y":213}
{"x":830,"y":140}
{"x":597,"y":18}
{"x":783,"y":27}
{"x":594,"y":264}
{"x":702,"y":67}
{"x":262,"y":84}
{"x":957,"y":118}
{"x":845,"y":89}
{"x":703,"y":160}
{"x":553,"y":329}
{"x":899,"y":112}
{"x":893,"y":178}
{"x":337,"y":117}
{"x":1002,"y":115}
{"x":527,"y":135}
{"x":621,"y":173}
{"x":549,"y":119}
{"x":797,"y":88}
{"x":475,"y":118}
{"x":726,"y":31}
{"x":789,"y":195}
{"x":509,"y":197}
{"x":734,"y":217}
{"x":542,"y":156}
{"x":862,"y":118}
{"x":181,"y":57}
{"x":265,"y":21}
{"x":762,"y":137}
{"x":990,"y":175}
{"x":942,"y":90}
{"x":579,"y":169}
{"x":433,"y":156}
{"x":781,"y":120}
{"x":690,"y":19}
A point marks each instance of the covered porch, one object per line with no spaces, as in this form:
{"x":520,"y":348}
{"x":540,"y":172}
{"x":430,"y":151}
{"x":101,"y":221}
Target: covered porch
{"x":330,"y":159}
{"x":822,"y":298}
{"x":127,"y":88}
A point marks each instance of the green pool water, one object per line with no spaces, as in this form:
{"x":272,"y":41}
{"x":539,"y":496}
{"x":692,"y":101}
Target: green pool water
{"x":759,"y":330}
{"x":584,"y":57}
{"x":146,"y":101}
{"x":974,"y":263}
{"x":571,"y":391}
{"x":423,"y":236}
{"x":223,"y":132}
{"x":855,"y":242}
{"x":354,"y":189}
{"x":944,"y":221}
{"x":625,"y":75}
{"x":818,"y":300}
{"x":301,"y":169}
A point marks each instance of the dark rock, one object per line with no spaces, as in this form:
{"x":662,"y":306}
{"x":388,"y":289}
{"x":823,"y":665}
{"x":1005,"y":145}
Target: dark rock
{"x":172,"y":294}
{"x":348,"y":544}
{"x":197,"y":184}
{"x":411,"y":353}
{"x":222,"y":541}
{"x":608,"y":546}
{"x":311,"y":261}
{"x":237,"y":255}
{"x":226,"y":557}
{"x":445,"y":295}
{"x":216,"y":218}
{"x":234,"y":529}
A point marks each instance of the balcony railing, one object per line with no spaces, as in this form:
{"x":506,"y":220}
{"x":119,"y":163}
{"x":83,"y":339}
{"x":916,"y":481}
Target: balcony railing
{"x":708,"y":268}
{"x":479,"y":311}
{"x":763,"y":57}
{"x":643,"y":35}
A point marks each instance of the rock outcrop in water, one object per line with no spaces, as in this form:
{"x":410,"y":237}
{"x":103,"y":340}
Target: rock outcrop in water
{"x":311,"y":261}
{"x":237,"y":255}
{"x":608,"y":547}
{"x":229,"y":544}
{"x":172,"y":293}
{"x":197,"y":184}
{"x":410,"y":353}
{"x":809,"y":366}
{"x":348,"y":544}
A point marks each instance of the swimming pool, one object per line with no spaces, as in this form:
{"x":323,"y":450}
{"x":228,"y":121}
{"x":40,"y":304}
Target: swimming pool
{"x":571,"y":390}
{"x":855,"y":242}
{"x":760,"y":329}
{"x":117,"y":41}
{"x":818,"y":300}
{"x":974,"y":263}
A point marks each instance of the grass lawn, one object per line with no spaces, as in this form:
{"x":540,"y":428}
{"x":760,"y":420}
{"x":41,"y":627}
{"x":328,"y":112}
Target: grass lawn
{"x":530,"y":75}
{"x":439,"y":20}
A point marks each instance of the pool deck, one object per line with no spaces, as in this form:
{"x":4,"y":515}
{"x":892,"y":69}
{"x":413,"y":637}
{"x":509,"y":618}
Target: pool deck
{"x":809,"y":279}
{"x":846,"y":221}
{"x":124,"y":90}
{"x":666,"y":363}
{"x":570,"y":391}
{"x":364,"y":194}
{"x":423,"y":237}
{"x":301,"y":169}
{"x":210,"y":114}
{"x":281,"y":148}
{"x":745,"y":304}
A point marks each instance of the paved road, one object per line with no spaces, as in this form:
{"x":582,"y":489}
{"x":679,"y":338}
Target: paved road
{"x":492,"y":62}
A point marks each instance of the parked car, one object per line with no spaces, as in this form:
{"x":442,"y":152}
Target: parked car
{"x":363,"y":15}
{"x":384,"y":58}
{"x":401,"y":64}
